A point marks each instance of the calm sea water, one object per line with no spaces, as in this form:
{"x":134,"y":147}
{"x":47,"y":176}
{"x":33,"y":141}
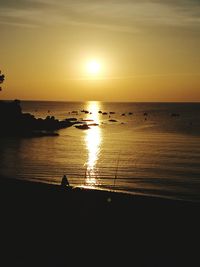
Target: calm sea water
{"x":143,"y":149}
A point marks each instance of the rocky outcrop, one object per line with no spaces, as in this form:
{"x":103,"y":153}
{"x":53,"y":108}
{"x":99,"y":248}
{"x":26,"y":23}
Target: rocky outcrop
{"x":16,"y":123}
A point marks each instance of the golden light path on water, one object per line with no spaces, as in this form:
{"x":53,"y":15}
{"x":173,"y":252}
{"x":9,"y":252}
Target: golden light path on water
{"x":93,"y":139}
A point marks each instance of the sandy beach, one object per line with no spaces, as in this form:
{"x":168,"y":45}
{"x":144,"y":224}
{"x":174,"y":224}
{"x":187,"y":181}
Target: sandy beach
{"x":47,"y":225}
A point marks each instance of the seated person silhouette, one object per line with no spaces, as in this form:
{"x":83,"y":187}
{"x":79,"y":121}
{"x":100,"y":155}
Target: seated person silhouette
{"x":64,"y":181}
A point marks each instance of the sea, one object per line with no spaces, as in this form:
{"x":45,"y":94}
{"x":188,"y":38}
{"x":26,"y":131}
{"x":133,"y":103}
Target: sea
{"x":150,"y":149}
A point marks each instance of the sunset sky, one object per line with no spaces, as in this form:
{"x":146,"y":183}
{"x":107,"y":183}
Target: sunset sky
{"x":77,"y":50}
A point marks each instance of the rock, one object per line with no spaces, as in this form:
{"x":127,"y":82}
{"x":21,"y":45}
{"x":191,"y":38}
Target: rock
{"x":16,"y":123}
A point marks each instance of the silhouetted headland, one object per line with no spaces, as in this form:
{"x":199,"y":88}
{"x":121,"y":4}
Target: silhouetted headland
{"x":16,"y":123}
{"x":52,"y":225}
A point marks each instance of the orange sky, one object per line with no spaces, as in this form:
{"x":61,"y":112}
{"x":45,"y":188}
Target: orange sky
{"x":148,"y":50}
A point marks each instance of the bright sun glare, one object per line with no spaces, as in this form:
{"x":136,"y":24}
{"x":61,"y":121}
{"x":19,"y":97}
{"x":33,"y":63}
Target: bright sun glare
{"x":93,"y":67}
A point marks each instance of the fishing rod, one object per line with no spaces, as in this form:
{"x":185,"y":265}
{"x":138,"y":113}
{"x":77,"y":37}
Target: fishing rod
{"x":117,"y":167}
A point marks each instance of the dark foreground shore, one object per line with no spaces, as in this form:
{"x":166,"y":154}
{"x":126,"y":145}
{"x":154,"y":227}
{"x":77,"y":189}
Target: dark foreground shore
{"x":46,"y":225}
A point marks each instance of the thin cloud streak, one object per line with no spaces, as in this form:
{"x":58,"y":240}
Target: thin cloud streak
{"x":128,"y":16}
{"x":133,"y":76}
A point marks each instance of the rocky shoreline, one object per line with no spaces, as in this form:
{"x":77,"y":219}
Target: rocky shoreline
{"x":16,"y":123}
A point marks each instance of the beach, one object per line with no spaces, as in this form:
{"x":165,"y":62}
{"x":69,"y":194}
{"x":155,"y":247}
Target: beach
{"x":47,"y":225}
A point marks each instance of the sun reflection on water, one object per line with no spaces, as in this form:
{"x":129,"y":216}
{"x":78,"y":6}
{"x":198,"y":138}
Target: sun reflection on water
{"x":93,"y":140}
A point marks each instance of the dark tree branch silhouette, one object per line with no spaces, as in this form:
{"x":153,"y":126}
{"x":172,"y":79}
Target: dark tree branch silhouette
{"x":2,"y":78}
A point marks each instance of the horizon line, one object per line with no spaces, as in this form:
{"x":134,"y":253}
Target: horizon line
{"x":108,"y":101}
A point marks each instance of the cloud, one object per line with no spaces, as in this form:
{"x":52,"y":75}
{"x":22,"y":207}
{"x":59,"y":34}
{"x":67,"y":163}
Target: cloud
{"x":127,"y":15}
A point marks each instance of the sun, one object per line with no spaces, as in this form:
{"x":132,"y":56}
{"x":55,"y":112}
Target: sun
{"x":93,"y":67}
